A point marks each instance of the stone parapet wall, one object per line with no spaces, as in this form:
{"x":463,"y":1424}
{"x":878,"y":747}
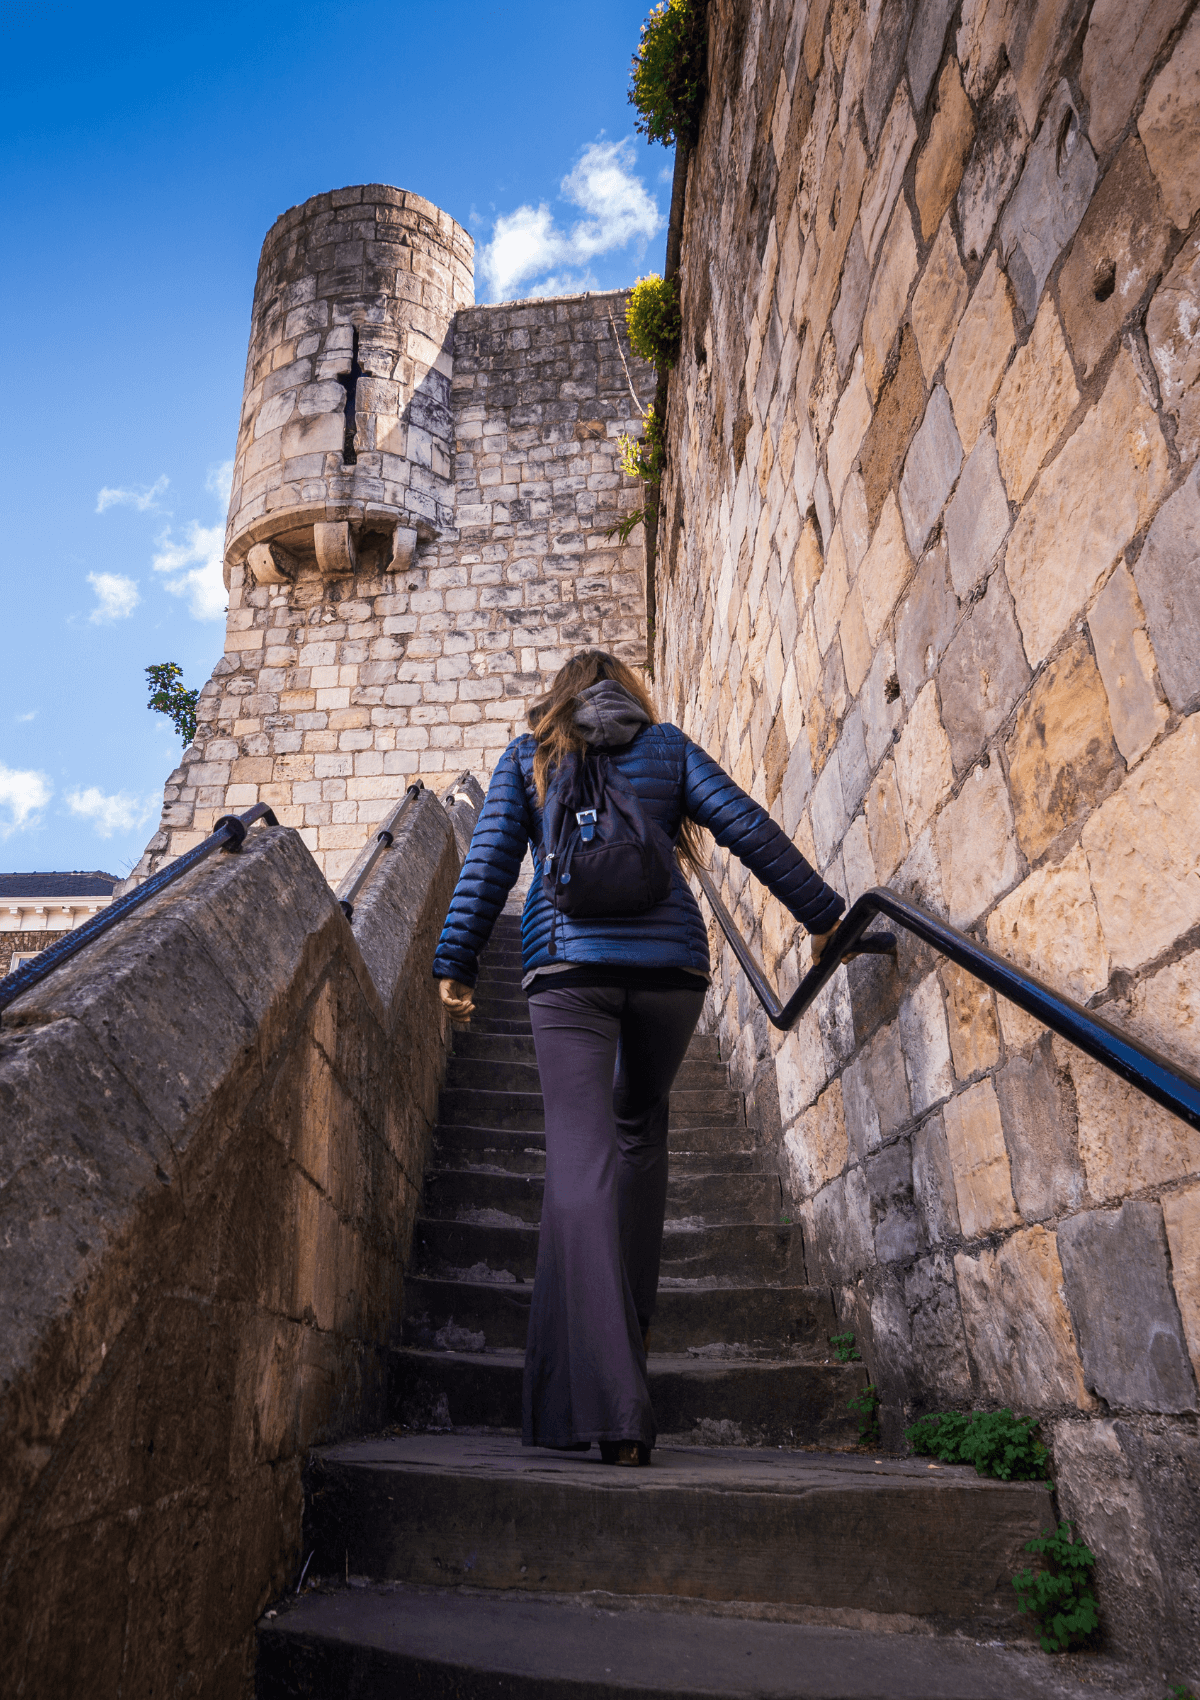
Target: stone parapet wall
{"x":929,"y":574}
{"x":215,"y":1126}
{"x":335,"y":691}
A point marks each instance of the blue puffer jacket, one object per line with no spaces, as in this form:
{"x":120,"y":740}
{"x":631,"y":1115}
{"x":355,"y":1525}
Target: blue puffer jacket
{"x":671,"y":778}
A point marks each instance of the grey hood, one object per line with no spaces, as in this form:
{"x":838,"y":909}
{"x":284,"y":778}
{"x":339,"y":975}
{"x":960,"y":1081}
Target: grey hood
{"x":606,"y":714}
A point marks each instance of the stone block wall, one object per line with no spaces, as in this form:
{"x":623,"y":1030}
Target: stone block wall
{"x":214,"y":1126}
{"x":337,"y":688}
{"x":929,"y":579}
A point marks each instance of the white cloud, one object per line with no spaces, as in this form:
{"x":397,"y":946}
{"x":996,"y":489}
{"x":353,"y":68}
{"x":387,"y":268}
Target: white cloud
{"x":121,"y":812}
{"x":23,"y":793}
{"x":24,"y":719}
{"x":145,"y":496}
{"x":193,"y":568}
{"x":618,"y":210}
{"x":116,"y":597}
{"x":219,"y":481}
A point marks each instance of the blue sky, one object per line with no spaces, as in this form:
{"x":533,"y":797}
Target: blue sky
{"x":144,"y":153}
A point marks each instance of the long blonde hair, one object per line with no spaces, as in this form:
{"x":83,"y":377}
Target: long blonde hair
{"x":552,"y":721}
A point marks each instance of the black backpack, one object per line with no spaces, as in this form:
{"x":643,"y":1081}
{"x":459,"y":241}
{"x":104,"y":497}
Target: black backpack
{"x":602,"y":854}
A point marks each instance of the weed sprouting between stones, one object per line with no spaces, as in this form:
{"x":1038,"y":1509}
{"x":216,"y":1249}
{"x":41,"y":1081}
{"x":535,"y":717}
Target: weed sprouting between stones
{"x":844,"y":1349}
{"x":1059,"y":1598}
{"x":996,"y":1442}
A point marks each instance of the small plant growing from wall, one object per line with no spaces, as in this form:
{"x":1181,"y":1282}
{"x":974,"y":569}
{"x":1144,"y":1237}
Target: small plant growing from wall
{"x":1060,"y":1597}
{"x":844,"y":1349}
{"x":653,"y":320}
{"x":865,"y":1406}
{"x":996,"y":1442}
{"x":666,"y":78}
{"x":168,"y":696}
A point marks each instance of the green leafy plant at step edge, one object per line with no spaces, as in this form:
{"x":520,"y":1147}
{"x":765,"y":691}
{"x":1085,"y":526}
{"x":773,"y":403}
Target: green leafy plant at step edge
{"x":168,"y":696}
{"x":844,"y":1349}
{"x":642,"y":457}
{"x":653,"y":321}
{"x":1180,"y":1691}
{"x":996,"y":1442}
{"x":865,"y":1406}
{"x":666,"y":77}
{"x":1060,"y":1597}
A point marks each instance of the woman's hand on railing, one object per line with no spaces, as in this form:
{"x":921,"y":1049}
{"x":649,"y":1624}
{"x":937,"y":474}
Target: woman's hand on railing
{"x":818,"y":942}
{"x":458,"y":999}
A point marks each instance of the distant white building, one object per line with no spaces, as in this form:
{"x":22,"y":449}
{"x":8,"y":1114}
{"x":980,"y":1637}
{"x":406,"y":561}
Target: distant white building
{"x":32,"y":905}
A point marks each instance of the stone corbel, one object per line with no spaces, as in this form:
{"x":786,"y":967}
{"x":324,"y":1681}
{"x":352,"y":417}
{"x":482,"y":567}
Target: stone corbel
{"x":404,"y":544}
{"x":335,"y":547}
{"x":271,"y":564}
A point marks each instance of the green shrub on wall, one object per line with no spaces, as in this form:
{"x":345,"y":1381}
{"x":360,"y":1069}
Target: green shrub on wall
{"x":996,"y":1442}
{"x":653,"y":321}
{"x":667,"y":74}
{"x":1059,"y":1597}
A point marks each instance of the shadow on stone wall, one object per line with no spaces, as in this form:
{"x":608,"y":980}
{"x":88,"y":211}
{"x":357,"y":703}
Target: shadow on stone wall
{"x":215,"y":1127}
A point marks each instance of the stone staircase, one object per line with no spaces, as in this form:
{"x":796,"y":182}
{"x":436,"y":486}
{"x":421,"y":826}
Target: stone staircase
{"x":762,"y":1553}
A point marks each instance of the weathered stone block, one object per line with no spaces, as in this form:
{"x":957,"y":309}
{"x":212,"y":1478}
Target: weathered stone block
{"x":1121,"y":44}
{"x":884,"y":570}
{"x":933,"y":1183}
{"x":982,"y":674}
{"x":896,"y":142}
{"x":1181,"y":1217}
{"x":846,"y":320}
{"x":1175,"y":347}
{"x":924,"y":770}
{"x":979,"y":1160}
{"x":1121,"y":242}
{"x":926,"y":1045}
{"x":1126,"y":1142}
{"x":849,"y":426}
{"x":1168,"y":579}
{"x":1098,"y":492}
{"x":993,"y":168}
{"x":1123,"y":1307}
{"x":930,"y":471}
{"x":1049,"y":923}
{"x":900,"y":405}
{"x":938,"y":1343}
{"x":1140,"y":847}
{"x":1038,"y":1112}
{"x":1035,"y":401}
{"x":974,"y":1029}
{"x":1170,"y":127}
{"x":977,"y":518}
{"x":817,"y":1147}
{"x":940,"y":167}
{"x":1126,"y":663}
{"x":977,"y":846}
{"x":939,"y":300}
{"x":982,"y":344}
{"x":893,"y":1212}
{"x":885,"y":823}
{"x":1061,"y":756}
{"x":886,"y":304}
{"x":925,"y":623}
{"x":1051,"y":198}
{"x":838,"y":1234}
{"x":1017,"y":1324}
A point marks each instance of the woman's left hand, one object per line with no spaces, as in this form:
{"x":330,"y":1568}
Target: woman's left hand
{"x":458,"y":999}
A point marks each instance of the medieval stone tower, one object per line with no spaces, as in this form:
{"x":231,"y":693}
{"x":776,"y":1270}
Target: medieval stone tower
{"x":419,"y":525}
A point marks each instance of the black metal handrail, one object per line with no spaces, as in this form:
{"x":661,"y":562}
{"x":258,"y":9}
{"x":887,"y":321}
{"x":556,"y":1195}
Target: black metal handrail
{"x":228,"y":834}
{"x":1175,"y":1088}
{"x":360,"y":872}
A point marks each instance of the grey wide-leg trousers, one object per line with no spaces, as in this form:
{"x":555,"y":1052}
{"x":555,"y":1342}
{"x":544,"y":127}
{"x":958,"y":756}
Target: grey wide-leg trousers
{"x":607,"y":1057}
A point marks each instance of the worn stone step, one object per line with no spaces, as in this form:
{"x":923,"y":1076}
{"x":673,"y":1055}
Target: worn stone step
{"x":846,"y":1533}
{"x":745,"y":1254}
{"x":521,"y":1075}
{"x":476,"y":1316}
{"x":463,"y":1194}
{"x":524,"y":1110}
{"x":495,"y":1027}
{"x":377,"y":1640}
{"x":470,"y":1042}
{"x":724,"y":1402}
{"x":713,"y":1150}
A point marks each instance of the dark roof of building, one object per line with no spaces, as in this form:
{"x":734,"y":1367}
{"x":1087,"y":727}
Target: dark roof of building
{"x":93,"y":884}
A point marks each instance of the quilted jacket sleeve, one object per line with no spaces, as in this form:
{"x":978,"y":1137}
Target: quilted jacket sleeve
{"x":488,"y":874}
{"x":739,"y":824}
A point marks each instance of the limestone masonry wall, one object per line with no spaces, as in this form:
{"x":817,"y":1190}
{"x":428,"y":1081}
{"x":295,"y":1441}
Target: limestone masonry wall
{"x":929,"y":584}
{"x":214,"y":1126}
{"x":405,"y":573}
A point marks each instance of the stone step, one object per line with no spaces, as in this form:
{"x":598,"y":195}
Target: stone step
{"x":376,"y":1641}
{"x":470,"y":1042}
{"x":764,"y":1322}
{"x":521,"y":1075}
{"x":739,"y":1254}
{"x":845,"y":1533}
{"x":745,"y":1402}
{"x":717,"y":1150}
{"x":495,"y":1028}
{"x":462,"y":1194}
{"x":524,"y":1111}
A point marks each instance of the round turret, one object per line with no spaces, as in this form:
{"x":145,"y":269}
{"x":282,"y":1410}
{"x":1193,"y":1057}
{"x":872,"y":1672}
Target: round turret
{"x":344,"y":446}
